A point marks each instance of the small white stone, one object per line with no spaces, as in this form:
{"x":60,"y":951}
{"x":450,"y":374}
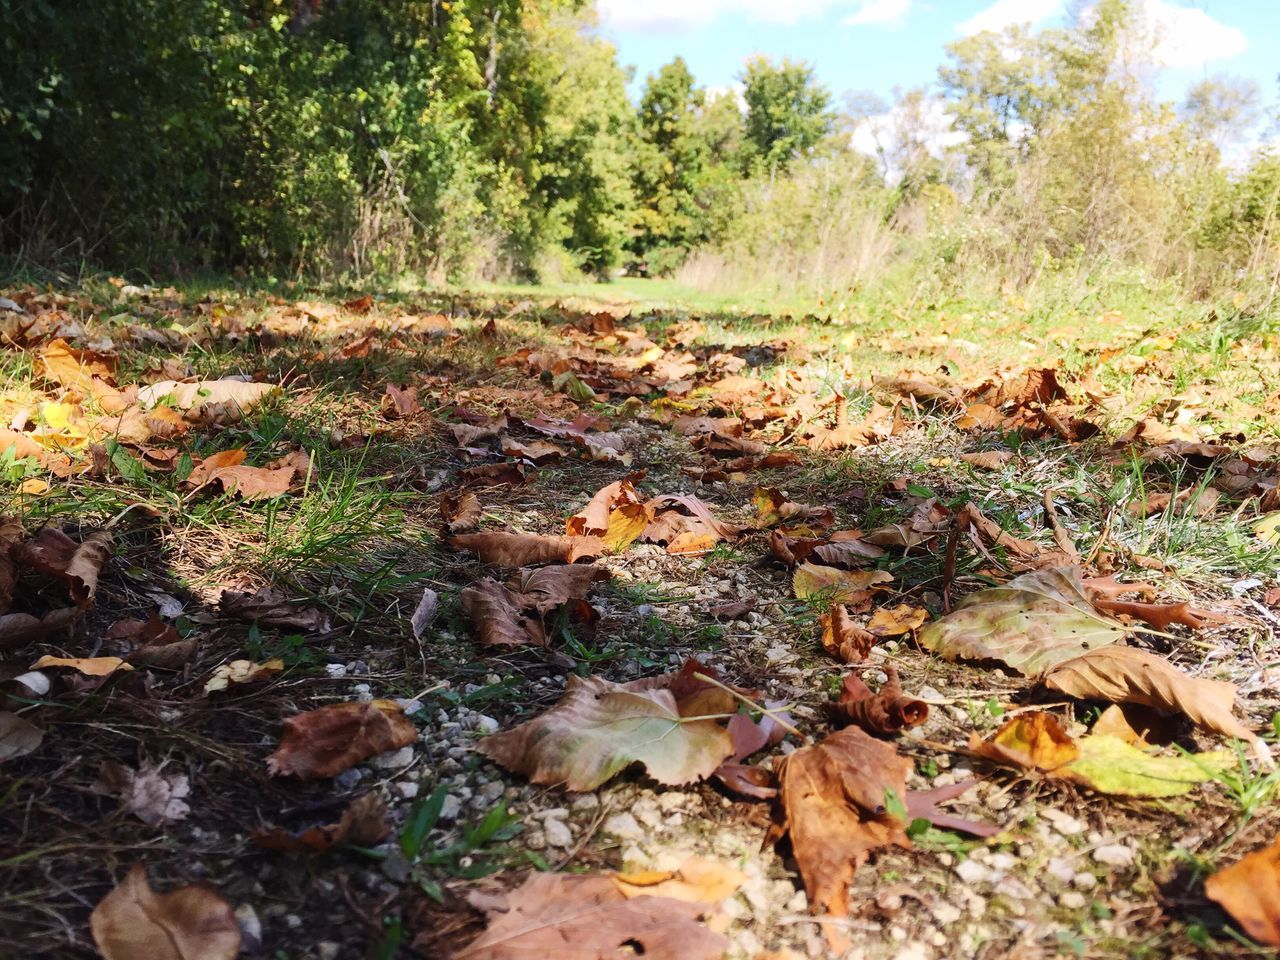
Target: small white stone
{"x":327,"y":950}
{"x":450,"y":808}
{"x":393,"y":759}
{"x":1084,"y":881}
{"x":1064,"y":823}
{"x":486,"y":725}
{"x":945,"y":912}
{"x":248,"y":920}
{"x":1060,"y":869}
{"x":624,"y":826}
{"x":557,"y":833}
{"x":406,"y":789}
{"x":1114,"y":855}
{"x":588,"y":801}
{"x":336,"y":670}
{"x":1003,"y":862}
{"x":1071,"y":900}
{"x":672,"y":801}
{"x":970,"y":871}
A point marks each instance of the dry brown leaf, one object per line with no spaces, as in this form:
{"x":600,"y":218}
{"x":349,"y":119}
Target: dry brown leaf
{"x":686,"y":525}
{"x":133,"y":922}
{"x":249,"y":483}
{"x":773,"y":508}
{"x":1127,"y":675}
{"x":271,"y":607}
{"x":460,"y":511}
{"x":78,"y":565}
{"x":588,"y":918}
{"x":1161,"y":616}
{"x":151,"y":795}
{"x":895,"y":621}
{"x":231,"y":394}
{"x":496,"y":475}
{"x":499,"y":616}
{"x":17,"y":736}
{"x":397,"y":403}
{"x":697,"y":880}
{"x":852,"y":587}
{"x":526,"y":549}
{"x":363,"y":824}
{"x":599,"y":728}
{"x":833,"y":805}
{"x":241,"y":671}
{"x":615,"y":514}
{"x":1249,"y":890}
{"x":1031,"y":741}
{"x":322,"y":743}
{"x":987,"y":459}
{"x":844,"y":639}
{"x":89,"y":666}
{"x":886,"y":712}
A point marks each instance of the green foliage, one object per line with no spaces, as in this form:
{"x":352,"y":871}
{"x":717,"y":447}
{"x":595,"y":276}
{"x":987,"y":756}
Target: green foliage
{"x":788,"y":112}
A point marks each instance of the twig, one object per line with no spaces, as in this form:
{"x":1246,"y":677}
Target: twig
{"x":1060,"y":535}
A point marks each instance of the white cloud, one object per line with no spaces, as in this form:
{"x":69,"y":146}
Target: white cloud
{"x":678,"y":16}
{"x":1187,"y":37}
{"x":886,"y":13}
{"x":886,"y":136}
{"x":1005,"y":13}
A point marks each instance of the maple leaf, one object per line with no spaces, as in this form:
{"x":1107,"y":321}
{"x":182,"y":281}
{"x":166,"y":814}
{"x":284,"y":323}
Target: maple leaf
{"x":886,"y":712}
{"x":526,"y":549}
{"x":151,"y":795}
{"x":151,"y":642}
{"x":853,"y":587}
{"x":588,"y":918}
{"x":363,"y":824}
{"x":600,"y":728}
{"x":227,"y":469}
{"x":1033,"y":623}
{"x":322,"y":743}
{"x":844,"y":639}
{"x":78,"y":565}
{"x":1128,"y":675}
{"x":133,"y":921}
{"x":987,"y":459}
{"x":832,"y":797}
{"x":1249,"y":890}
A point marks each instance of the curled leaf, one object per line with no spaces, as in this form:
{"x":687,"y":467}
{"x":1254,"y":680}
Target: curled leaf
{"x":886,"y":712}
{"x":133,"y":921}
{"x":322,"y":743}
{"x":844,"y":639}
{"x":1249,"y":890}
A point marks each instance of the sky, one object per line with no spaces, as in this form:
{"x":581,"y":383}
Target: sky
{"x":877,"y":45}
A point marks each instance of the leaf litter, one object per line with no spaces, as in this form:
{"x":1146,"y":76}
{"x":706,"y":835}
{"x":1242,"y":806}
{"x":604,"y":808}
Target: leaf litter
{"x":634,"y":463}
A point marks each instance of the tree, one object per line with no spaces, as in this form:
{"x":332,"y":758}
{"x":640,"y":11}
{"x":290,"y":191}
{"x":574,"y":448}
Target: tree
{"x":788,"y":112}
{"x":669,"y":161}
{"x":1222,"y":109}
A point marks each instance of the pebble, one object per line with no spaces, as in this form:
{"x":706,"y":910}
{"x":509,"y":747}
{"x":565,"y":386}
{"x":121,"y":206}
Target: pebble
{"x":1114,"y":855}
{"x":1084,"y":881}
{"x":970,"y":871}
{"x":406,"y":789}
{"x":486,"y":724}
{"x":348,"y":778}
{"x":450,"y":807}
{"x":945,"y":912}
{"x":393,"y":759}
{"x":670,"y":802}
{"x":915,"y":950}
{"x":624,"y":826}
{"x":586,"y":802}
{"x":1064,"y":823}
{"x":335,"y":670}
{"x":490,"y":792}
{"x":363,"y":692}
{"x":249,"y":923}
{"x":557,"y":833}
{"x":1003,"y":862}
{"x":1060,"y":869}
{"x":1071,"y":900}
{"x":327,"y":950}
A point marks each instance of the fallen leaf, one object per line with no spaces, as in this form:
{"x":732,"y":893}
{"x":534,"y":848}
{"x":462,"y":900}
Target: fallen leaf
{"x":425,"y":613}
{"x":615,"y":514}
{"x":735,"y":610}
{"x":1031,"y":741}
{"x":76,"y":369}
{"x":322,"y":743}
{"x":150,"y":642}
{"x":461,"y":512}
{"x":1249,"y":890}
{"x":235,"y":394}
{"x":17,"y":736}
{"x":1031,"y":624}
{"x":148,"y":793}
{"x":686,"y":525}
{"x":844,"y":639}
{"x":851,"y":587}
{"x":496,"y":475}
{"x":697,"y":880}
{"x":600,"y":728}
{"x":397,"y":403}
{"x":1268,"y":529}
{"x":271,"y":607}
{"x":363,"y":824}
{"x":241,"y":671}
{"x":189,"y":923}
{"x":924,"y":805}
{"x":546,"y":588}
{"x":987,"y":459}
{"x":360,"y":304}
{"x":773,"y":508}
{"x":1109,"y":765}
{"x":1129,"y":675}
{"x":78,"y":565}
{"x":589,"y":918}
{"x":526,"y":549}
{"x":1161,"y":616}
{"x":895,"y":621}
{"x":886,"y":712}
{"x":89,"y":666}
{"x":228,"y":470}
{"x":833,"y":806}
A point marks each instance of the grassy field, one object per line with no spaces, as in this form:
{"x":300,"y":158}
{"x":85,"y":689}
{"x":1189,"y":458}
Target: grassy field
{"x":311,"y":539}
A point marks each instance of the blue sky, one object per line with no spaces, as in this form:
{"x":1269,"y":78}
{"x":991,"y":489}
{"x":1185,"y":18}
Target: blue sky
{"x":879,"y":44}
